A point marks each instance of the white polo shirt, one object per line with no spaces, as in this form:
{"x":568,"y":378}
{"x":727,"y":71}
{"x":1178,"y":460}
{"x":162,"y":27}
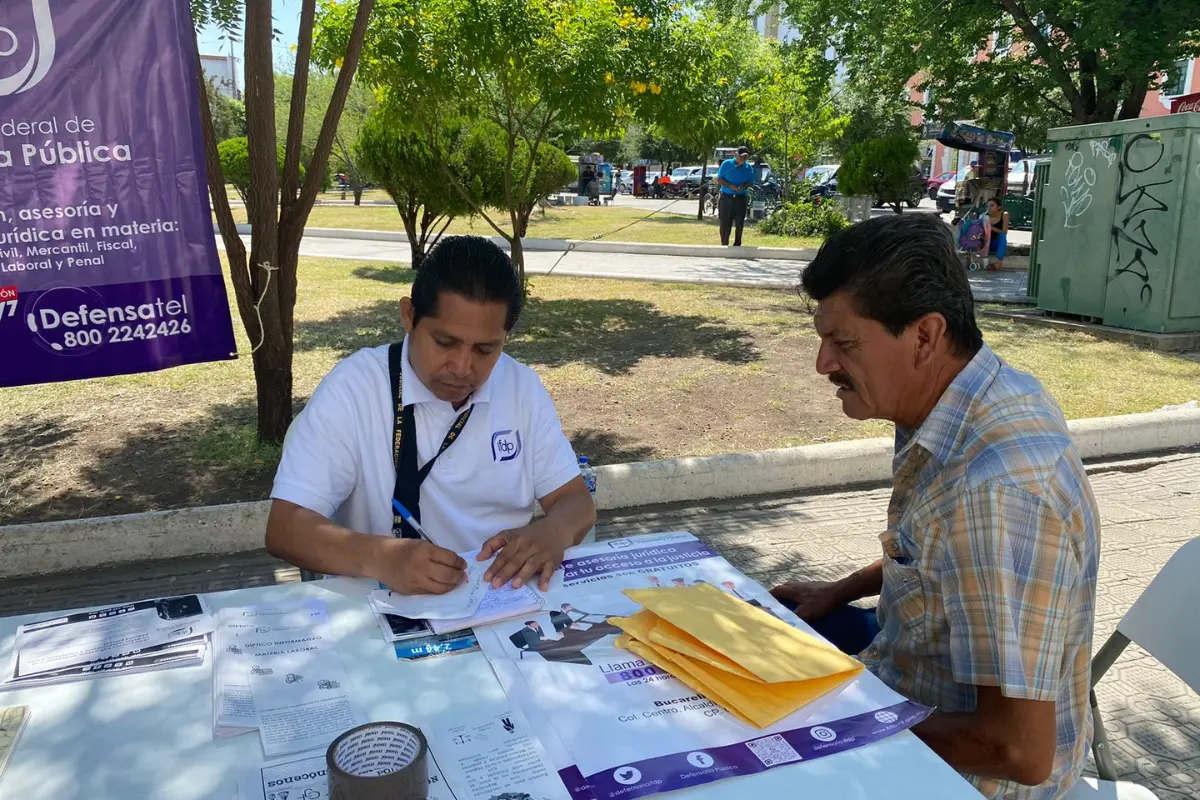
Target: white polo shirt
{"x":337,"y":457}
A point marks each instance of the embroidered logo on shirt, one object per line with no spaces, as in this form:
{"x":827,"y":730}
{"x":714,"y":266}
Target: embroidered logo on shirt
{"x":506,"y":445}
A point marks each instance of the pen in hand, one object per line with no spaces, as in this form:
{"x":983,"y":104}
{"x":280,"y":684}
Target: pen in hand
{"x":407,"y":516}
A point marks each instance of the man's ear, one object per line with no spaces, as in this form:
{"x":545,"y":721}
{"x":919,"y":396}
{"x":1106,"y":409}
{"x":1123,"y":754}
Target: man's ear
{"x":406,"y":314}
{"x":930,"y":330}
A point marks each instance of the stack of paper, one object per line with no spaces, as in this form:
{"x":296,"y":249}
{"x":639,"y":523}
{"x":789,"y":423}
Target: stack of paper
{"x":472,"y":603}
{"x":137,"y":637}
{"x":277,"y":670}
{"x":755,"y":666}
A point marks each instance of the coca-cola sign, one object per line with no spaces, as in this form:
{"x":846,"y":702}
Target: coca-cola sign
{"x":1187,"y":103}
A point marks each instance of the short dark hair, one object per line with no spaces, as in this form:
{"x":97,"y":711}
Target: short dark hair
{"x":898,"y":268}
{"x":471,"y":267}
{"x":743,"y":151}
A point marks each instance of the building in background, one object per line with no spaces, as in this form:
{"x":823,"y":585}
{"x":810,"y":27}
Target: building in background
{"x":223,"y":72}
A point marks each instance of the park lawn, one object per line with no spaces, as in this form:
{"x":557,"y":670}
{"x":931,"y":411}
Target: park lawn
{"x":638,"y":371}
{"x":569,"y":222}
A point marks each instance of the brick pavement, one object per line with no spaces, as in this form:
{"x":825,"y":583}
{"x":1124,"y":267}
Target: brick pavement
{"x":1149,"y":508}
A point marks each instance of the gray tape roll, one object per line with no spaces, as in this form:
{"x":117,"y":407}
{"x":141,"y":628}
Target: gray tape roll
{"x":379,"y":761}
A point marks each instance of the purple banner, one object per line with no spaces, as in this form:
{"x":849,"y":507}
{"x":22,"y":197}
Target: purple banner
{"x":108,"y":264}
{"x":682,"y":770}
{"x":645,"y":558}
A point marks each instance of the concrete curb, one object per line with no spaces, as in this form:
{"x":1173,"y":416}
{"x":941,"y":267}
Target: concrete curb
{"x":46,"y":547}
{"x":585,"y":245}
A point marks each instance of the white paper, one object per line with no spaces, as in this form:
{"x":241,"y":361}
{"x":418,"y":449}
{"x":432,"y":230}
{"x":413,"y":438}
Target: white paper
{"x":247,"y":635}
{"x":494,"y":753}
{"x":109,"y":634}
{"x":301,"y":700}
{"x":304,"y":776}
{"x":457,"y":603}
{"x":497,"y":604}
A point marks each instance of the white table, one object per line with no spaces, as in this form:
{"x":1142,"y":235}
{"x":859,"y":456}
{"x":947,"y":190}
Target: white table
{"x":150,"y":736}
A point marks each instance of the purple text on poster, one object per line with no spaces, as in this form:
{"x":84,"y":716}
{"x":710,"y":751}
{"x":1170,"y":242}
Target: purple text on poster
{"x":657,"y":557}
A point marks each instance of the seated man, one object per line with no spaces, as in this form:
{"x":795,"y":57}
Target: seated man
{"x":474,"y":443}
{"x":987,"y":583}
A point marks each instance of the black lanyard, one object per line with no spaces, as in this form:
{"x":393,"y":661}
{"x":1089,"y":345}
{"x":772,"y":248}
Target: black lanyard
{"x":404,"y":447}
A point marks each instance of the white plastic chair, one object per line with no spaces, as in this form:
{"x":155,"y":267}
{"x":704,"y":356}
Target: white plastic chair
{"x":1161,"y":623}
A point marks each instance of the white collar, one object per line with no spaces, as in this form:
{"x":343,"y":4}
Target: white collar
{"x":415,"y":392}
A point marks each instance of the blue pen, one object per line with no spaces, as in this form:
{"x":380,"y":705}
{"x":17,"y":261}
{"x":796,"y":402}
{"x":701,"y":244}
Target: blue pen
{"x":408,"y":517}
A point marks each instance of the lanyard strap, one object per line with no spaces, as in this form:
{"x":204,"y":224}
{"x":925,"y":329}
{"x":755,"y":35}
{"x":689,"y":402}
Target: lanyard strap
{"x":404,"y":447}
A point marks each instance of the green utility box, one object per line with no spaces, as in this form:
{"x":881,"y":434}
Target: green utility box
{"x":1117,"y":229}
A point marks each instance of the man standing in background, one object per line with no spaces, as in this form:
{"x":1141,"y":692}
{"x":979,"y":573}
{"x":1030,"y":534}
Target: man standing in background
{"x":734,"y":177}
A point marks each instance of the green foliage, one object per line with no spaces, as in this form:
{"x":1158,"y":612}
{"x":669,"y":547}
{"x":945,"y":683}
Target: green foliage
{"x":880,"y":168}
{"x":228,"y":115}
{"x":1049,"y":60}
{"x":803,"y":218}
{"x":235,"y":164}
{"x":400,"y":160}
{"x":359,"y":103}
{"x":787,"y":113}
{"x":486,"y":151}
{"x":870,"y":115}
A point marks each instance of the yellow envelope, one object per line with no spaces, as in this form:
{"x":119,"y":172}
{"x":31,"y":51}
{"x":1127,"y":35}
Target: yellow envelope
{"x":648,"y":628}
{"x":766,"y":647}
{"x":647,"y":653}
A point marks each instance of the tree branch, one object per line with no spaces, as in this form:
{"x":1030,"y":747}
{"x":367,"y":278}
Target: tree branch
{"x":458,"y":184}
{"x":295,"y":130}
{"x":1051,"y":55}
{"x":546,"y":123}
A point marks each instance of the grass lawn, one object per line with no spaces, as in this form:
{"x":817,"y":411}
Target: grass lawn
{"x":567,"y":222}
{"x":638,"y":370}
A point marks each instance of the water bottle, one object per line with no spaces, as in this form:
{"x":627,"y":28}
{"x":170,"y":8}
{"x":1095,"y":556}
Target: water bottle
{"x":589,"y":477}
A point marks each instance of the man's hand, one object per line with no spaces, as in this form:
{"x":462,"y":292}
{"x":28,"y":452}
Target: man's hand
{"x":523,"y":554}
{"x":415,"y":566}
{"x":813,"y":599}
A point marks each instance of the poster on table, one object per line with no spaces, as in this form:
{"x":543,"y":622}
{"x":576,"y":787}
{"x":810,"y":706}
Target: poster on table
{"x":108,"y":263}
{"x":616,"y":726}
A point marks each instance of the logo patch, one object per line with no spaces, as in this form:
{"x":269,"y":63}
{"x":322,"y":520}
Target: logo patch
{"x":506,"y":445}
{"x":39,"y":43}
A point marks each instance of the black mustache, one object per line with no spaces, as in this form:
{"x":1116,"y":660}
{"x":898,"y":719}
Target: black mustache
{"x":842,"y":380}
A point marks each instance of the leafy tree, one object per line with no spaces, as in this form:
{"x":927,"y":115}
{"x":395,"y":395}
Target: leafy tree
{"x":1084,"y":61}
{"x":696,"y":76}
{"x":264,"y":281}
{"x":228,"y":115}
{"x":880,"y":168}
{"x":402,"y":163}
{"x":870,"y":115}
{"x":787,"y":114}
{"x":359,"y":102}
{"x":527,"y":66}
{"x":485,"y":153}
{"x":235,"y":164}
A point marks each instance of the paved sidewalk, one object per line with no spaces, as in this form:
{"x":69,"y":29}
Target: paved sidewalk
{"x":1149,"y":508}
{"x":998,"y":286}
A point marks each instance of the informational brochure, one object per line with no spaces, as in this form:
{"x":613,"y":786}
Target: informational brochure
{"x":134,"y":637}
{"x":436,"y":645}
{"x":304,"y":777}
{"x":494,"y":753}
{"x":617,"y":727}
{"x":241,"y":635}
{"x":297,"y":682}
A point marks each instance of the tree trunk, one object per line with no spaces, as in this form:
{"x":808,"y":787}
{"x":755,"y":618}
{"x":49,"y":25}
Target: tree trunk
{"x":703,"y":175}
{"x":273,"y":380}
{"x":1135,"y":98}
{"x":517,"y":253}
{"x":358,"y":192}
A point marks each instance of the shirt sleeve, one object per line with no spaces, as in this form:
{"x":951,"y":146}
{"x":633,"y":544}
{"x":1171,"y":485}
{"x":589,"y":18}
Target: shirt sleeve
{"x":554,"y":460}
{"x":1006,"y":584}
{"x":723,"y":171}
{"x":319,"y":466}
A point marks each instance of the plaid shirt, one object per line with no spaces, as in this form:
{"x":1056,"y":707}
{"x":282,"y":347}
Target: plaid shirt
{"x":990,"y":557}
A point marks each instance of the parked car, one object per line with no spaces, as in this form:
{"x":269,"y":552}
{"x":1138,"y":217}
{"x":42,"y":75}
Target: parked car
{"x":1019,"y":183}
{"x":933,"y":184}
{"x":820,"y":172}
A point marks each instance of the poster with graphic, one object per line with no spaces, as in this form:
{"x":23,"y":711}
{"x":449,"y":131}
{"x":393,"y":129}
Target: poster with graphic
{"x":616,"y":726}
{"x":108,"y":263}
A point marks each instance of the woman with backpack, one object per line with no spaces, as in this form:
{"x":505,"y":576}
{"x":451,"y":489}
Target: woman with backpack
{"x":998,"y":218}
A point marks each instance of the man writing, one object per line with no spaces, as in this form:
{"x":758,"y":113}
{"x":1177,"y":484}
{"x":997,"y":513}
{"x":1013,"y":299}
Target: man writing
{"x":734,"y":177}
{"x":463,"y":436}
{"x":987,"y":582}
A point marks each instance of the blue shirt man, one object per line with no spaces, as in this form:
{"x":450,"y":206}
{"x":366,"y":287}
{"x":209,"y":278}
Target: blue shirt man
{"x":736,"y":174}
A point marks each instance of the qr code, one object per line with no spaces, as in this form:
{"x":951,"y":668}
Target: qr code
{"x":773,"y":750}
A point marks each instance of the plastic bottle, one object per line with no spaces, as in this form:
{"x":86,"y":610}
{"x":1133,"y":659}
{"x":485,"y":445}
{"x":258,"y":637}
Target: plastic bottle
{"x":589,"y":477}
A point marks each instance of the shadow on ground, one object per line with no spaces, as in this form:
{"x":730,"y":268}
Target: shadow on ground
{"x":610,"y":335}
{"x":211,"y":460}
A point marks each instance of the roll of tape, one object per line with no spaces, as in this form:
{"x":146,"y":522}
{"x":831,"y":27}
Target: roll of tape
{"x":379,"y":761}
